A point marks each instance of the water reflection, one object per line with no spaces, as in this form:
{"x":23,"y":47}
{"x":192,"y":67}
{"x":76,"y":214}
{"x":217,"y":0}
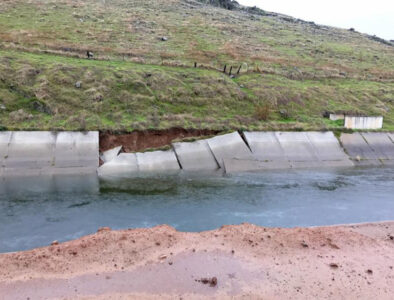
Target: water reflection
{"x":49,"y":184}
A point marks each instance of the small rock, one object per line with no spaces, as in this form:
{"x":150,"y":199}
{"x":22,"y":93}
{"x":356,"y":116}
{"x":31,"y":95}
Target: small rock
{"x":54,"y":243}
{"x":304,"y":244}
{"x":164,"y":38}
{"x":78,"y":84}
{"x":101,"y":229}
{"x":211,"y":281}
{"x":369,"y":271}
{"x":2,"y":107}
{"x":41,"y":107}
{"x":161,"y":257}
{"x":334,"y":265}
{"x":358,"y":158}
{"x":284,"y":113}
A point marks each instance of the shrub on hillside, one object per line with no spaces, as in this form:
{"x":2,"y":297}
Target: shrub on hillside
{"x":262,"y":112}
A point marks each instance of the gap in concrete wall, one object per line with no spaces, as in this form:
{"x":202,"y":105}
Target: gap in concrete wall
{"x":241,"y":133}
{"x":139,"y":141}
{"x":177,"y":158}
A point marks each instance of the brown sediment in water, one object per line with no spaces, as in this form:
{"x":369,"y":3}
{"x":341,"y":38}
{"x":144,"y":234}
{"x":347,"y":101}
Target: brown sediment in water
{"x":141,"y":140}
{"x":244,"y":261}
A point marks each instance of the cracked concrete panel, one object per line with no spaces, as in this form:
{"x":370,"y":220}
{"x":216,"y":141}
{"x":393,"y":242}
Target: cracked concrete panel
{"x":31,"y":150}
{"x":297,"y":146}
{"x":195,"y":156}
{"x":358,"y":149}
{"x":381,"y":144}
{"x":77,"y":149}
{"x":328,"y":149}
{"x":124,"y":163}
{"x":109,"y":155}
{"x":5,"y":138}
{"x":157,"y":161}
{"x":229,"y":146}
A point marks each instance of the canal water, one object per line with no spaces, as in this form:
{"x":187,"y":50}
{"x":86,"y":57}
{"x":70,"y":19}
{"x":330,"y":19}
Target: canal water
{"x":34,"y":211}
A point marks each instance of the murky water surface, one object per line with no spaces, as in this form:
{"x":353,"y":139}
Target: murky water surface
{"x":37,"y":210}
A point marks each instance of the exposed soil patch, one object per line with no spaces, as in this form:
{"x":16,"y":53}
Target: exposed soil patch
{"x":163,"y":263}
{"x":142,"y":140}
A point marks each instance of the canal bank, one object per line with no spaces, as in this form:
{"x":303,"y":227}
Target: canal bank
{"x":233,"y":262}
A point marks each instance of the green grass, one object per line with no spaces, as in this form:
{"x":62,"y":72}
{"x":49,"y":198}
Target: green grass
{"x":118,"y":95}
{"x":139,"y":82}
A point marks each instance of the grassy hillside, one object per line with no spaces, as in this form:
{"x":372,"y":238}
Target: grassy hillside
{"x":291,"y":71}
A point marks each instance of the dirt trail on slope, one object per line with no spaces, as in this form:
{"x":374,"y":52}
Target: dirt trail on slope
{"x":244,"y":261}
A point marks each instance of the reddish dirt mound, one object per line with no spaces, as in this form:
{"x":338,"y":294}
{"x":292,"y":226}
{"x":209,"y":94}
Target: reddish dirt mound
{"x":142,"y":140}
{"x":245,"y":262}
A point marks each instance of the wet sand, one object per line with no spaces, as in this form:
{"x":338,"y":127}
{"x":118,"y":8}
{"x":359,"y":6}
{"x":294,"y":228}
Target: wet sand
{"x":241,"y":262}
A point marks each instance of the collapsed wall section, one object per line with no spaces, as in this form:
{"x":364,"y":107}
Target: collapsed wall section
{"x":132,"y":163}
{"x":195,"y":156}
{"x":229,"y":146}
{"x":73,"y":151}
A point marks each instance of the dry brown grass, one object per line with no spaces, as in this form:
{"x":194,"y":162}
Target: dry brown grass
{"x":263,"y":112}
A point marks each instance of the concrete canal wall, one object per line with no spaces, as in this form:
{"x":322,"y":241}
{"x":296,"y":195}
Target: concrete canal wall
{"x":370,"y":148}
{"x":75,"y":152}
{"x":352,"y":122}
{"x":46,"y":152}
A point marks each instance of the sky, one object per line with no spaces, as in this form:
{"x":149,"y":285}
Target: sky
{"x":372,"y":17}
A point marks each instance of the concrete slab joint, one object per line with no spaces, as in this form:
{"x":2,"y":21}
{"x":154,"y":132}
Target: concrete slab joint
{"x":47,"y":151}
{"x":359,"y":149}
{"x":5,"y":139}
{"x":229,"y":146}
{"x":381,"y":144}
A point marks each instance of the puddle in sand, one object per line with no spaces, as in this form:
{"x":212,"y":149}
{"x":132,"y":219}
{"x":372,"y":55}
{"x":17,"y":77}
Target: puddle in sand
{"x":180,"y":274}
